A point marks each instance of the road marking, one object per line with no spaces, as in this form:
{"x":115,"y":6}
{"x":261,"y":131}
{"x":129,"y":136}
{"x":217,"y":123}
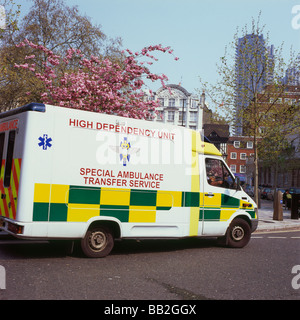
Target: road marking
{"x":273,"y":237}
{"x":275,"y":231}
{"x":277,"y":237}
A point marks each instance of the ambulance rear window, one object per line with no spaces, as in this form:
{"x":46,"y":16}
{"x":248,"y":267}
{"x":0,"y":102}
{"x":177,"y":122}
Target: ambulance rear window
{"x":2,"y":136}
{"x":9,"y":158}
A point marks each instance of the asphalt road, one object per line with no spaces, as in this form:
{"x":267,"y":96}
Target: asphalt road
{"x":191,"y":269}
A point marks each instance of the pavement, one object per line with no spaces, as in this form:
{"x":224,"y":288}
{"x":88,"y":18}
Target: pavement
{"x":266,"y":222}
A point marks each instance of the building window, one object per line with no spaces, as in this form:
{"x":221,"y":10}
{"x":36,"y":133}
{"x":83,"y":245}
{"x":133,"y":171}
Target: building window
{"x":236,"y":144}
{"x":233,"y":168}
{"x":180,"y":116}
{"x":194,"y":104}
{"x":232,"y":155}
{"x":243,"y":156}
{"x":161,"y":102}
{"x":193,"y":116}
{"x":249,"y":145}
{"x":171,"y":115}
{"x":182,"y":103}
{"x":242,"y":169}
{"x":160,"y":115}
{"x":171,"y":102}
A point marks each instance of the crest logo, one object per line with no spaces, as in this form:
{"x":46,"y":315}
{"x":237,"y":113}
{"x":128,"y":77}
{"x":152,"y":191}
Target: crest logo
{"x":125,"y":151}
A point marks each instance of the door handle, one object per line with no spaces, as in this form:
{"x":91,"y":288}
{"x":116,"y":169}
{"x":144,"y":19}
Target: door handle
{"x":209,"y":195}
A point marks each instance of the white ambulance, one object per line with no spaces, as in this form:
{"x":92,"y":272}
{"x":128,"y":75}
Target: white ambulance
{"x":79,"y":175}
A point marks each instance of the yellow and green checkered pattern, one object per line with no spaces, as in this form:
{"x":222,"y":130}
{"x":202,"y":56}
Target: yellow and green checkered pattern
{"x":75,"y":203}
{"x":78,"y":204}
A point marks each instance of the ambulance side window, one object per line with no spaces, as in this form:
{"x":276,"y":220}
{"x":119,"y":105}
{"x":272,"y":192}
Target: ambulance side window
{"x":9,"y":158}
{"x":218,"y":174}
{"x":2,"y":136}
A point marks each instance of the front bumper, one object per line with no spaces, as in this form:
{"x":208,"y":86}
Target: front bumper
{"x":254,"y":224}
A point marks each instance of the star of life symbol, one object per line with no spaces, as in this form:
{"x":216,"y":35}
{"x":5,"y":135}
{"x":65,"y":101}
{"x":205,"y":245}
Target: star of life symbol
{"x":125,"y":150}
{"x":45,"y":142}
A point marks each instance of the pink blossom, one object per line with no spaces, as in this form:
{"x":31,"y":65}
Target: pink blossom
{"x":21,"y":44}
{"x":98,"y":85}
{"x":30,"y":57}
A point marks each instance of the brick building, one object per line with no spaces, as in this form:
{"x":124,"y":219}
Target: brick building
{"x":240,"y":154}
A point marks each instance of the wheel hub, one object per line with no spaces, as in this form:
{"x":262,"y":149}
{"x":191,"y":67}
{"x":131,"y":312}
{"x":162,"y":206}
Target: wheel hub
{"x":97,"y":241}
{"x":237,"y":233}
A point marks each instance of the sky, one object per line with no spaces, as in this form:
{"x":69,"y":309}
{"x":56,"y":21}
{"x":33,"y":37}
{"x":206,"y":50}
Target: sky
{"x":197,"y":30}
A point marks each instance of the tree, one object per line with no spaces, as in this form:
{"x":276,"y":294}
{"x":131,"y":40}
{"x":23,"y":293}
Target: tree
{"x":51,"y":24}
{"x":250,"y":86}
{"x":58,"y":27}
{"x":278,"y":144}
{"x":97,"y":84}
{"x":9,"y":15}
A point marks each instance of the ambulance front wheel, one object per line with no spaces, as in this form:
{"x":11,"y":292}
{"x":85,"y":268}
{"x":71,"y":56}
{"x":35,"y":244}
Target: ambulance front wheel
{"x":98,"y":242}
{"x":239,"y":233}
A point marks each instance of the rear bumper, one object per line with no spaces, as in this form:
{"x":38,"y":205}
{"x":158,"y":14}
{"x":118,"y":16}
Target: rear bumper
{"x":11,"y":227}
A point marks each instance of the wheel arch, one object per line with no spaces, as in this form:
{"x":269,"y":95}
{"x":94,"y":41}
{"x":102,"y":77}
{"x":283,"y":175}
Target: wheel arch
{"x":242,"y":215}
{"x":113,"y":224}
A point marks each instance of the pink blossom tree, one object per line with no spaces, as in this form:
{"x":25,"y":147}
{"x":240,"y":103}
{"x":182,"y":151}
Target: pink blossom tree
{"x":97,"y":85}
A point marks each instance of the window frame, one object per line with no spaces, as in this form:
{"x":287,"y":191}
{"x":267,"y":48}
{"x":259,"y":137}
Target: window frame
{"x":237,"y":144}
{"x":224,"y":169}
{"x":231,"y":155}
{"x":243,"y":156}
{"x":244,"y":167}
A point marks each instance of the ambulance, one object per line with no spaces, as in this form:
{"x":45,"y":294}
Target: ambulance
{"x":96,"y":178}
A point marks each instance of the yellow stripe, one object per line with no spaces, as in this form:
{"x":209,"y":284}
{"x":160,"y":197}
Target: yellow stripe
{"x":41,"y":192}
{"x":142,"y":214}
{"x":115,"y":197}
{"x":59,"y":193}
{"x":197,"y":144}
{"x":82,"y":212}
{"x":195,"y":182}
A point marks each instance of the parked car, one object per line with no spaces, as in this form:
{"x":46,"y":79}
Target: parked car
{"x":249,"y":190}
{"x":294,"y":190}
{"x":264,"y":193}
{"x":270,"y":195}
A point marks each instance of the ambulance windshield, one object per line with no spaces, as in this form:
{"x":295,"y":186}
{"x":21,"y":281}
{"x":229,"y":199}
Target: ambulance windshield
{"x":218,"y":175}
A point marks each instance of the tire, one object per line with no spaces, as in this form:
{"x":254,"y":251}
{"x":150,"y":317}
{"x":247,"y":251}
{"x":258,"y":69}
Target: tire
{"x":238,"y":234}
{"x":98,"y":242}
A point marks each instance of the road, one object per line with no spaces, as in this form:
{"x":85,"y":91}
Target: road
{"x":190,"y":269}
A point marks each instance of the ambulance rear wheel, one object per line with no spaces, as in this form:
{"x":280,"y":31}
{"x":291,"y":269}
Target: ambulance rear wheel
{"x":239,"y":233}
{"x":98,"y":242}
